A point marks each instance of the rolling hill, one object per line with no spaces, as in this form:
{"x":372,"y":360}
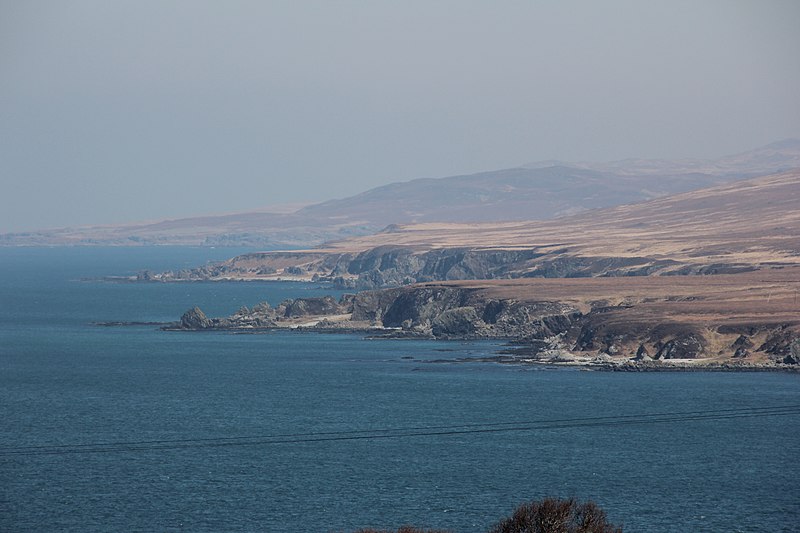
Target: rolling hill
{"x":535,"y":192}
{"x":740,"y":226}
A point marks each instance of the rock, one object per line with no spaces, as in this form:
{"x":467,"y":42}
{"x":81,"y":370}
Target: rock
{"x":686,"y":347}
{"x":741,"y":352}
{"x":642,"y":354}
{"x":311,"y":306}
{"x":742,"y":342}
{"x":195,"y":318}
{"x":461,"y":321}
{"x":262,"y":308}
{"x":793,"y":358}
{"x":779,"y":341}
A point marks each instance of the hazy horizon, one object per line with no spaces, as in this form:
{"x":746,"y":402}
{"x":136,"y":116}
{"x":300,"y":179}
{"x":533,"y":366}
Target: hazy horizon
{"x":124,"y":112}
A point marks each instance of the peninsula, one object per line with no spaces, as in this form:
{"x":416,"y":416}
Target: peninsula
{"x":708,"y":278}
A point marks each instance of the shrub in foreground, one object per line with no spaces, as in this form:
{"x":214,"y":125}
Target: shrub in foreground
{"x":546,"y":516}
{"x":557,"y":516}
{"x":403,"y":529}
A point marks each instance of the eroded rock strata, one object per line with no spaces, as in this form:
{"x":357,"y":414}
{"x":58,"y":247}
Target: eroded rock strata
{"x":543,"y":330}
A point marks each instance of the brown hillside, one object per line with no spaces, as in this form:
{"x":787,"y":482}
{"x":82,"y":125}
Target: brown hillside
{"x":755,"y":221}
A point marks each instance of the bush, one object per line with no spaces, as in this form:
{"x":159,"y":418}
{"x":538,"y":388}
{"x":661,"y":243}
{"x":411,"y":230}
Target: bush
{"x":557,"y":516}
{"x":403,"y":529}
{"x":546,"y":516}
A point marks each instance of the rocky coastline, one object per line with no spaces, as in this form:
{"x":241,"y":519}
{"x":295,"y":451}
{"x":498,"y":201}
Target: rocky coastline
{"x":540,"y":332}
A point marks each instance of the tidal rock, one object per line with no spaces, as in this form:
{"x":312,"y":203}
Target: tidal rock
{"x":195,"y":318}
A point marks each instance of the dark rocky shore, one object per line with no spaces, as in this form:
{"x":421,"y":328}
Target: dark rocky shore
{"x":543,"y":332}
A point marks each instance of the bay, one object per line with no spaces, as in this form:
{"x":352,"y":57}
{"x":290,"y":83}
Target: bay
{"x":66,"y":382}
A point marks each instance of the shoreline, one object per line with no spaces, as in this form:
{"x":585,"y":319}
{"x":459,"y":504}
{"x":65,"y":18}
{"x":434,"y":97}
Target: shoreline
{"x":506,"y":354}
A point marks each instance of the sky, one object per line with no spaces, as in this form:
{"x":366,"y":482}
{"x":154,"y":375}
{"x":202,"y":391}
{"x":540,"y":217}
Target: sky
{"x":114,"y":112}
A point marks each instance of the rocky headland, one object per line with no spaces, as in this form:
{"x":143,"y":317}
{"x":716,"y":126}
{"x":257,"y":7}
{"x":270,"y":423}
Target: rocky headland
{"x":728,"y":322}
{"x":707,"y":279}
{"x":739,"y":227}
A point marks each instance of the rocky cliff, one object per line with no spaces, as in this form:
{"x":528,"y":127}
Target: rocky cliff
{"x":738,"y":227}
{"x":396,"y":266}
{"x":542,"y":329}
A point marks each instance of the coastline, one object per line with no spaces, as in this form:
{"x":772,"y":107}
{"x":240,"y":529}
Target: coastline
{"x":538,"y":332}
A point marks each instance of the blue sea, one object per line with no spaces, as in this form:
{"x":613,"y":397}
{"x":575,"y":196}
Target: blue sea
{"x":135,"y":429}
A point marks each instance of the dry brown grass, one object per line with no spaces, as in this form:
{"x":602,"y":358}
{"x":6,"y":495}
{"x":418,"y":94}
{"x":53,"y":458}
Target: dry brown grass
{"x":754,"y":221}
{"x":760,"y":297}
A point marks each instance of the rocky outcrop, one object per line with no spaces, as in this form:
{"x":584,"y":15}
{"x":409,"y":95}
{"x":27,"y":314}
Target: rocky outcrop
{"x":542,"y":328}
{"x":642,"y":354}
{"x":461,"y":312}
{"x":686,"y":347}
{"x":195,"y":318}
{"x":459,"y":322}
{"x":264,"y":316}
{"x":313,"y":306}
{"x":393,"y":266}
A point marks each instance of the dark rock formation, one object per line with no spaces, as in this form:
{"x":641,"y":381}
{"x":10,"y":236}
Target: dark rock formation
{"x":312,"y":306}
{"x":779,"y":342}
{"x":741,"y":346}
{"x":195,"y":318}
{"x":538,"y":327}
{"x":741,"y":352}
{"x":458,"y":322}
{"x":642,"y":354}
{"x":687,"y":347}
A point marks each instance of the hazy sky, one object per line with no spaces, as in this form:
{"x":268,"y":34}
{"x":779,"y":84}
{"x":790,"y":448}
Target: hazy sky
{"x":122,"y":111}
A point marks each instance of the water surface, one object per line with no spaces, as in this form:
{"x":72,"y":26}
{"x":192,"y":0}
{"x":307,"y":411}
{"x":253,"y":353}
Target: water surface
{"x":66,"y":382}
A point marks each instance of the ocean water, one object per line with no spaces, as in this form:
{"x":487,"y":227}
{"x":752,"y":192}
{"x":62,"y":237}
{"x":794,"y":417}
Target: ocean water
{"x":135,"y":429}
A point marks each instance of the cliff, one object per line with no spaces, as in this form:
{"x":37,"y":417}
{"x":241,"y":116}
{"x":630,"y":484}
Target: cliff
{"x":650,"y":320}
{"x":747,"y":225}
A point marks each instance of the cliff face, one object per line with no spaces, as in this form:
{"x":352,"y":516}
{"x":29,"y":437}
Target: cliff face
{"x":446,"y":312}
{"x":391,"y":266}
{"x":737,"y":227}
{"x":541,"y":328}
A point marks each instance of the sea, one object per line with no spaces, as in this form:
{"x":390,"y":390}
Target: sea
{"x":130,"y":428}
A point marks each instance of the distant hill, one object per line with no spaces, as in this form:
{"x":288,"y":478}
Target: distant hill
{"x":740,"y":226}
{"x":770,"y":159}
{"x":534,"y":192}
{"x":752,"y":221}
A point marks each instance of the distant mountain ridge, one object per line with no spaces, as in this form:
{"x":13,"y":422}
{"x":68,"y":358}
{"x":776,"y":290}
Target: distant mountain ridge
{"x":770,"y":159}
{"x":741,"y":226}
{"x":532,"y":192}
